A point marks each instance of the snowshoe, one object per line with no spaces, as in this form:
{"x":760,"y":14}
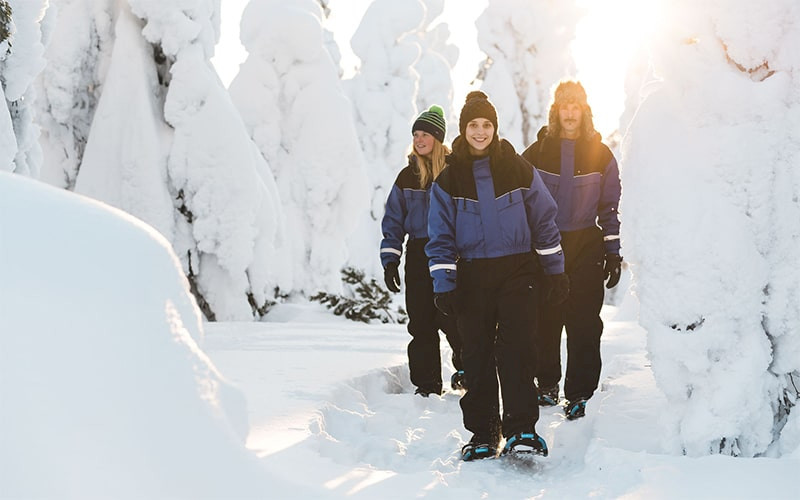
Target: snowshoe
{"x":575,"y":409}
{"x":457,"y":380}
{"x":478,"y":448}
{"x":525,"y":443}
{"x":427,"y":391}
{"x":548,"y":396}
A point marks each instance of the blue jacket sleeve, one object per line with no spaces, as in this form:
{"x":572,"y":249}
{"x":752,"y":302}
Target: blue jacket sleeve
{"x":545,"y":237}
{"x":608,"y":217}
{"x":441,"y":249}
{"x":392,"y":226}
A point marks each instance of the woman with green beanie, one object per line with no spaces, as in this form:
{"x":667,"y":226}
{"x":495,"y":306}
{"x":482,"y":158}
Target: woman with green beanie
{"x":407,"y":214}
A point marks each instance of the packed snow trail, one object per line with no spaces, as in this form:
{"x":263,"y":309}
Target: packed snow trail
{"x":331,"y":407}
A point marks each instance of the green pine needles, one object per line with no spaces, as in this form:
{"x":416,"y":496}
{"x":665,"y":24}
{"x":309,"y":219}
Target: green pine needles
{"x":5,"y":23}
{"x":363,"y":300}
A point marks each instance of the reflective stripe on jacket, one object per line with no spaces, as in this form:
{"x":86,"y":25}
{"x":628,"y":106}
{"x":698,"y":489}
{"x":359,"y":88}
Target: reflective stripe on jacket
{"x":493,"y":207}
{"x":406,"y":213}
{"x":583,"y":177}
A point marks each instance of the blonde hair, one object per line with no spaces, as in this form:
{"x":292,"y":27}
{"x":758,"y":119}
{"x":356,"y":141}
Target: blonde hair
{"x":567,"y":92}
{"x":429,"y":170}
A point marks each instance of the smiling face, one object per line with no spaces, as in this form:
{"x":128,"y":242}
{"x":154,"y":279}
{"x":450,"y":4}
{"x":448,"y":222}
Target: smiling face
{"x":423,"y":143}
{"x":479,"y":134}
{"x":569,"y":116}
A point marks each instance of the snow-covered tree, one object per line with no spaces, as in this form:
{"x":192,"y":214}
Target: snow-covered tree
{"x":384,"y":93}
{"x":167,"y":145}
{"x":125,"y":158}
{"x":327,"y":35}
{"x":71,"y":84}
{"x":22,"y":44}
{"x":289,"y":94}
{"x":527,"y":46}
{"x":711,"y":187}
{"x":435,"y":65}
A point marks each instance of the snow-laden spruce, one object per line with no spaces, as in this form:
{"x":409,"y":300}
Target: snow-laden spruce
{"x":291,"y":99}
{"x":383,"y":93}
{"x":435,"y":65}
{"x":68,"y":89}
{"x":528,"y":50}
{"x":712,"y":224}
{"x":167,"y":145}
{"x":21,"y":60}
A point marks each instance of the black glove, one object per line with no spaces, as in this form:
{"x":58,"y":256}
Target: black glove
{"x":557,"y":288}
{"x":612,"y":269}
{"x":446,"y":302}
{"x":391,"y":277}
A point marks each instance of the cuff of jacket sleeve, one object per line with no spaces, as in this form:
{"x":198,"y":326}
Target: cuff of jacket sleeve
{"x":612,"y":245}
{"x":444,"y":280}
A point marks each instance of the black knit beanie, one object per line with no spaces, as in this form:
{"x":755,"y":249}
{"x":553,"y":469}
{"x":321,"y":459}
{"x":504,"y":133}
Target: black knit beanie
{"x":432,"y":122}
{"x":477,"y":105}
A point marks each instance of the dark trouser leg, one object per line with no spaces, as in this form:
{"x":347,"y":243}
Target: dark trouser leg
{"x":424,"y":356}
{"x":515,"y":351}
{"x":449,"y":326}
{"x":583,"y":324}
{"x":477,"y":327}
{"x":548,"y":341}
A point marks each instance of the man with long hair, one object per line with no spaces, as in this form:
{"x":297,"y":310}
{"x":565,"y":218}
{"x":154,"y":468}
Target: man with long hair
{"x":582,"y":175}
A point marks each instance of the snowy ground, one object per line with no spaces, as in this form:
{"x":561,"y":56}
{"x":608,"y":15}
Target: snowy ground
{"x":332,"y":410}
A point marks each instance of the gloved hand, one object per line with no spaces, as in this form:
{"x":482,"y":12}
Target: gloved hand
{"x":446,"y":302}
{"x":557,"y":288}
{"x":612,"y":269}
{"x":391,"y":277}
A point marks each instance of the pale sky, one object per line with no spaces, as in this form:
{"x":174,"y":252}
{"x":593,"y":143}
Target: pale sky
{"x":229,"y":52}
{"x":605,"y":42}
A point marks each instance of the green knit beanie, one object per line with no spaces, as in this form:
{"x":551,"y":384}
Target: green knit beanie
{"x":432,"y":122}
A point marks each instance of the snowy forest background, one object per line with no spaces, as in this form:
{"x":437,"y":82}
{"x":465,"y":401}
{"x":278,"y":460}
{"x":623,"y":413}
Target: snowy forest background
{"x":268,"y":189}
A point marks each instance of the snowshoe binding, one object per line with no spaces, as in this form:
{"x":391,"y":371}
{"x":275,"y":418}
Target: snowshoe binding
{"x":548,"y":396}
{"x":478,"y":448}
{"x":457,"y":380}
{"x":575,"y":409}
{"x":427,"y":391}
{"x":524,"y":444}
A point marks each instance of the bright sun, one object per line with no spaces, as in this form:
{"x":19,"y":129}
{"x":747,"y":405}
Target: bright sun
{"x":606,"y":39}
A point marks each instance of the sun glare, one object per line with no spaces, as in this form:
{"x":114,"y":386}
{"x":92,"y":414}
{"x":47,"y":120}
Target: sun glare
{"x":606,"y":39}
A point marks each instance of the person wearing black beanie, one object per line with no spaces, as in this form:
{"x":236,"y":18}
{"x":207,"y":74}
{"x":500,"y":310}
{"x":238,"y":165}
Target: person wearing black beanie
{"x":406,"y":214}
{"x":477,"y":105}
{"x":490,"y":215}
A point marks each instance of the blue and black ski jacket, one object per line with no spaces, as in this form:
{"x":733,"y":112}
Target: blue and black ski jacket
{"x":406,"y":213}
{"x":583,"y":177}
{"x":486,"y":208}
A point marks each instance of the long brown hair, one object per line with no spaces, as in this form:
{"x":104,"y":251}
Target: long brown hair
{"x":429,"y":170}
{"x":570,"y":91}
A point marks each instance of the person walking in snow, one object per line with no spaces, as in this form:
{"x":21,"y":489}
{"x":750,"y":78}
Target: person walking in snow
{"x":490,"y":213}
{"x":582,"y":175}
{"x":407,"y":214}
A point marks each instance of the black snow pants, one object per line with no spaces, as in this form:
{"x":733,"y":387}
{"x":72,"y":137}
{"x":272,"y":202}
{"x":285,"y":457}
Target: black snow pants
{"x":579,"y":314}
{"x":425,"y":321}
{"x":496,"y":302}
